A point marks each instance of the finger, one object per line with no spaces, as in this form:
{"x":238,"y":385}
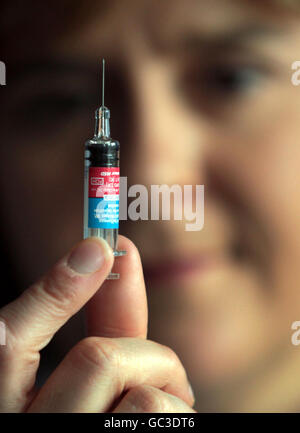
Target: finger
{"x":145,"y":398}
{"x":33,"y":318}
{"x":98,"y":370}
{"x":119,"y":309}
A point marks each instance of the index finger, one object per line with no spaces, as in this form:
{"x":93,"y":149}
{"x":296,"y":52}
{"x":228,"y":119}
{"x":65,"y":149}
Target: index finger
{"x":120,"y":308}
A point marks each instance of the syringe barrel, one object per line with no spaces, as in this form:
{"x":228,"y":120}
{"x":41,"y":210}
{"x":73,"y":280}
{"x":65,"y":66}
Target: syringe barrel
{"x":101,"y":190}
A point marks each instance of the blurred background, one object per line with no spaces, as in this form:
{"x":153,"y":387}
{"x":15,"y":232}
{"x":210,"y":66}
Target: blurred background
{"x":200,"y":93}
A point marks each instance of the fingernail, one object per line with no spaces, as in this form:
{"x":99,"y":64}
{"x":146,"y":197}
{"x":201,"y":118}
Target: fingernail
{"x":191,"y":392}
{"x":88,"y":256}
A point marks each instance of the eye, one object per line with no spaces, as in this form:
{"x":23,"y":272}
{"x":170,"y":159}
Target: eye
{"x":221,"y":80}
{"x":232,"y":79}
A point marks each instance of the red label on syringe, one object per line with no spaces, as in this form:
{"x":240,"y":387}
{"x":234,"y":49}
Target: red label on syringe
{"x":103,"y":180}
{"x":104,"y":197}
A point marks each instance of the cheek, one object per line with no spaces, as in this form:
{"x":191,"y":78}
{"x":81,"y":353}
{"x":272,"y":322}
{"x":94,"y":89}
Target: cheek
{"x":262,"y":163}
{"x":264,"y":169}
{"x":270,"y":178}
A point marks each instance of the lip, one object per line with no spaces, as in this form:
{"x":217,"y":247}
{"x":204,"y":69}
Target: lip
{"x":173,"y":270}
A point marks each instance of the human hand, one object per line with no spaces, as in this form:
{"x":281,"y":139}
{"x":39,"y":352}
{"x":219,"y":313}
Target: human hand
{"x":114,"y":369}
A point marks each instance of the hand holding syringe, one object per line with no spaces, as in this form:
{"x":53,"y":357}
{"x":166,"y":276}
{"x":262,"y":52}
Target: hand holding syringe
{"x":114,"y":369}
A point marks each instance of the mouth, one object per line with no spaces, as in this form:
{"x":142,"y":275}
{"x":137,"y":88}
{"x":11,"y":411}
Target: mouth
{"x":176,"y":270}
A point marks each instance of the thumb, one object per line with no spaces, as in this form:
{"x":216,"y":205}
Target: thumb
{"x":33,"y":318}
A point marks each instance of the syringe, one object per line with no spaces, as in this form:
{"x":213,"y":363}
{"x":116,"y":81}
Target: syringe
{"x":101,"y":181}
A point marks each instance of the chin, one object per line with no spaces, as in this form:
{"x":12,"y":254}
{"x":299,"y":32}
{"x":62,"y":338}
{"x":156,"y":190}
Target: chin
{"x":224,"y":354}
{"x":220,"y":328}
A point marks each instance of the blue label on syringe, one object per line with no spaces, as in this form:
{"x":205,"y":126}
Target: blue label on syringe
{"x":103,"y":213}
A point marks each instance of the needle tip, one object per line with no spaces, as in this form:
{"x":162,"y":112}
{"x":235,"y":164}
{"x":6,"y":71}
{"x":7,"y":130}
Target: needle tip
{"x":103,"y":72}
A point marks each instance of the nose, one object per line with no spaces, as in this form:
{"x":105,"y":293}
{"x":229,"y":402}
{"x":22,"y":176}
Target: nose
{"x":171,"y":145}
{"x":168,"y":145}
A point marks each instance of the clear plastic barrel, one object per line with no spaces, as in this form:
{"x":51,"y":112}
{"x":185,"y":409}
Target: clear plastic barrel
{"x":110,"y":235}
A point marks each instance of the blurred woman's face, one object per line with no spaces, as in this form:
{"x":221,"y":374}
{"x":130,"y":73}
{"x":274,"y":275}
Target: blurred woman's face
{"x":200,"y":93}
